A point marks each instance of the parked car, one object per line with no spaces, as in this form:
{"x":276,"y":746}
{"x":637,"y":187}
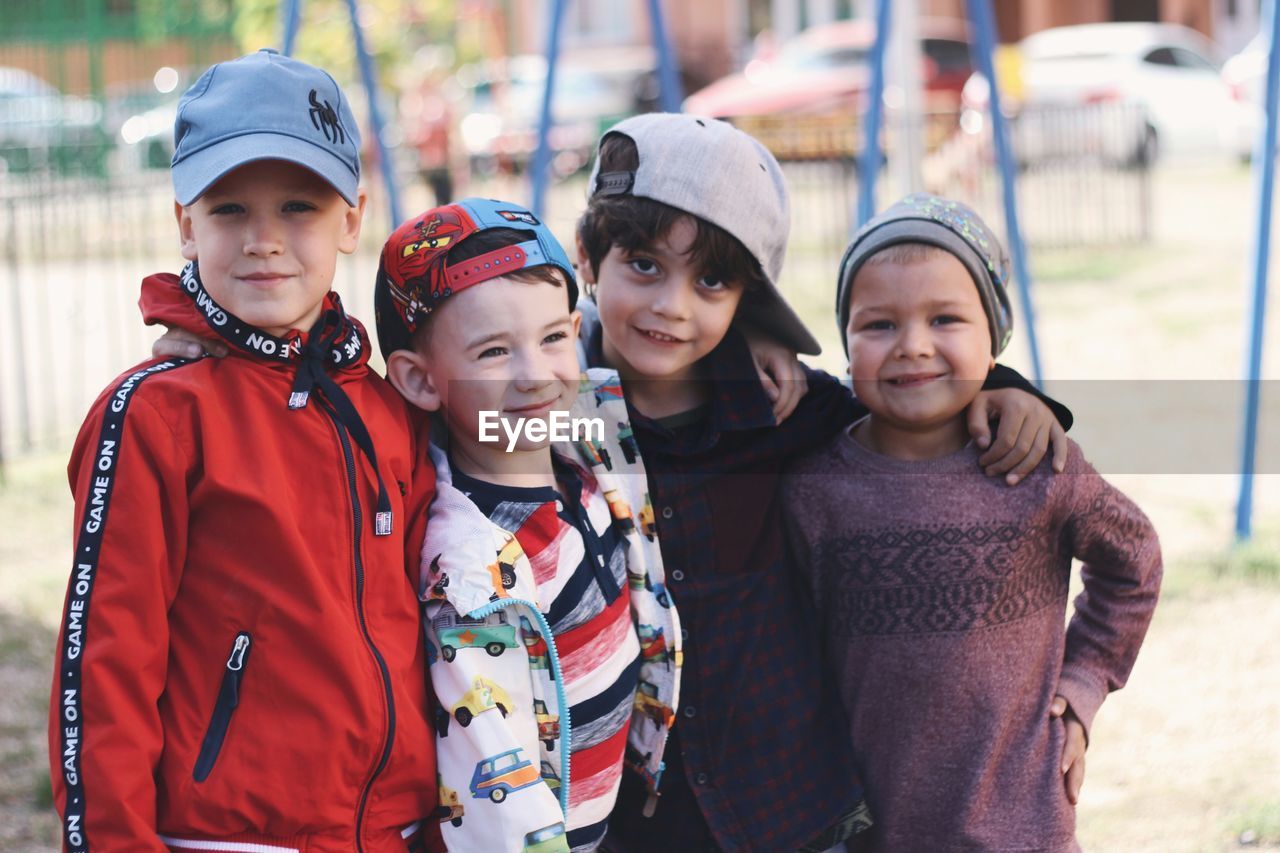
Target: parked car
{"x":592,"y":91}
{"x":1246,"y":77}
{"x":43,"y":130}
{"x":826,"y":69}
{"x":1119,"y":91}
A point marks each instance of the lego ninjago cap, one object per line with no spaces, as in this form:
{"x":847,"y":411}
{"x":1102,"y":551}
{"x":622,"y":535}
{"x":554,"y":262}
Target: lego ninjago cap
{"x":264,"y":106}
{"x":414,"y":273}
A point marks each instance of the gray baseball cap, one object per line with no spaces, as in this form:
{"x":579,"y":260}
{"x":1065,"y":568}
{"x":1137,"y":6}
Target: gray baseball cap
{"x":712,"y":170}
{"x":264,"y":106}
{"x":952,"y":227}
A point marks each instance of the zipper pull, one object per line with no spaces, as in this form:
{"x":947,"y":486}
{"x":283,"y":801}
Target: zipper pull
{"x":236,"y":661}
{"x":650,"y":805}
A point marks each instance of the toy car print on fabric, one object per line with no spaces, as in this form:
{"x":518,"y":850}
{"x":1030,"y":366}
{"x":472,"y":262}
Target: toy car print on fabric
{"x":450,"y":808}
{"x":548,"y":725}
{"x":492,"y":634}
{"x":535,"y":646}
{"x":545,"y":840}
{"x":621,"y":511}
{"x":648,"y":703}
{"x":484,"y":696}
{"x":503,"y":569}
{"x":627,"y":441}
{"x":499,"y":775}
{"x":653,"y":645}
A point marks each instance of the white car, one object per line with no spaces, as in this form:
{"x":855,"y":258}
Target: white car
{"x":1246,"y":76}
{"x":1118,"y":91}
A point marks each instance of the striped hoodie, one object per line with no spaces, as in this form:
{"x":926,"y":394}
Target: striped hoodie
{"x":554,"y":648}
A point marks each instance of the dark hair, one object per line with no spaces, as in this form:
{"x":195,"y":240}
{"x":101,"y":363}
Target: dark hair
{"x":487,"y":241}
{"x":633,"y":223}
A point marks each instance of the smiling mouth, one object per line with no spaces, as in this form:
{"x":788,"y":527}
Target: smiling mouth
{"x":264,"y":278}
{"x":659,"y":337}
{"x":537,"y":407}
{"x":914,"y":380}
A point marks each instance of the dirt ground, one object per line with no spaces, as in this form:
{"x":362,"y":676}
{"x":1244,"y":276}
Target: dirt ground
{"x":1185,"y":757}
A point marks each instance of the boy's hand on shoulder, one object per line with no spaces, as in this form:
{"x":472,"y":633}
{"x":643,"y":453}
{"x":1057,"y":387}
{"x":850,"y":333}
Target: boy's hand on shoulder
{"x":1073,"y":749}
{"x":177,"y":343}
{"x":1026,"y":429}
{"x":780,"y":373}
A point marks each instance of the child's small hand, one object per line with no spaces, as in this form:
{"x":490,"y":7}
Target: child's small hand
{"x":780,"y":373}
{"x":178,"y":343}
{"x":1027,"y":427}
{"x":1073,"y":750}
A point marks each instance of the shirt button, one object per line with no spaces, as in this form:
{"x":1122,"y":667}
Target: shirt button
{"x":677,"y":575}
{"x":701,"y":779}
{"x":667,"y":512}
{"x":690,"y":711}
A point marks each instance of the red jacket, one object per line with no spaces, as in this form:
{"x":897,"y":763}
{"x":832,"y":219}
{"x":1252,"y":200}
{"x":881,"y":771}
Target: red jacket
{"x":241,"y":657}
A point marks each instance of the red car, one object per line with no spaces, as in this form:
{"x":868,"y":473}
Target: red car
{"x":825,"y":69}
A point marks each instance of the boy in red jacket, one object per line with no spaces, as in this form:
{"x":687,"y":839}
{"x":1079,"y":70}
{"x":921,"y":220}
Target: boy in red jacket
{"x":240,"y":662}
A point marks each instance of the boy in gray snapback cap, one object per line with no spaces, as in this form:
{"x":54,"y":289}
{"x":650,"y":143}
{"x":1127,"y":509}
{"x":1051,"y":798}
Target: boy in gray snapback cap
{"x":682,"y":245}
{"x":240,"y":665}
{"x":949,"y":616}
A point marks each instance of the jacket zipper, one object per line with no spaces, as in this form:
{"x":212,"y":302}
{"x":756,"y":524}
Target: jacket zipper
{"x":357,"y":519}
{"x":556,"y":677}
{"x":223,"y":707}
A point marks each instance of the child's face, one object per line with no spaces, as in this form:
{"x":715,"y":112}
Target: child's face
{"x":501,"y":346}
{"x":267,"y":237}
{"x":919,"y":343}
{"x":659,"y":311}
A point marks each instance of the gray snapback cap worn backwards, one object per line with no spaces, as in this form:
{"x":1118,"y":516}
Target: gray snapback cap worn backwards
{"x":712,"y":170}
{"x":264,"y":106}
{"x":950,"y":226}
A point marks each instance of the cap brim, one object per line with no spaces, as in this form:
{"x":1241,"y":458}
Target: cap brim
{"x":193,"y":176}
{"x":767,"y":311}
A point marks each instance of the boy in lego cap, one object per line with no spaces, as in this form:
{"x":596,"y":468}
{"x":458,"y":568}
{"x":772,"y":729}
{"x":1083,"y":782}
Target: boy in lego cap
{"x":555,"y":655}
{"x":969,"y":702}
{"x":240,"y":662}
{"x":683,"y":242}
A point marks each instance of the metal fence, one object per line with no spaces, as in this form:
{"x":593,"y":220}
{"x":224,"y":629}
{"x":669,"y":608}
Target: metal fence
{"x":86,"y":207}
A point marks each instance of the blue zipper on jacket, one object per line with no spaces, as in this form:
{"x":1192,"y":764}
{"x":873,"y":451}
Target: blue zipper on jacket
{"x":556,"y":677}
{"x":357,"y":518}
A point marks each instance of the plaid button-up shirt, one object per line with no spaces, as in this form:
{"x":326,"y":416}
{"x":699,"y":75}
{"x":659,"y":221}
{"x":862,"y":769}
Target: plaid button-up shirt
{"x":759,"y":758}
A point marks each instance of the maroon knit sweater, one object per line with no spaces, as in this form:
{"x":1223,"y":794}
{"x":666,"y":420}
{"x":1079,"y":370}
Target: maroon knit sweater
{"x":943,"y":594}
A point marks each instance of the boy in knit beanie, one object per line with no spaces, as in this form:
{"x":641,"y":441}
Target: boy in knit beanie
{"x":941,"y":594}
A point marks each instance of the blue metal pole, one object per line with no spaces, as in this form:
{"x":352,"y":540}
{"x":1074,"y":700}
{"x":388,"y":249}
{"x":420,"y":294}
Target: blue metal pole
{"x":369,"y":73}
{"x":870,"y":160}
{"x":541,"y":166}
{"x":984,"y":33}
{"x":671,"y":94}
{"x":291,"y":14}
{"x":1264,"y":156}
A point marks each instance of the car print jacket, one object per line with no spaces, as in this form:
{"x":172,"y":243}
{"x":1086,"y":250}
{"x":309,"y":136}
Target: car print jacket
{"x":240,"y":664}
{"x":503,"y":727}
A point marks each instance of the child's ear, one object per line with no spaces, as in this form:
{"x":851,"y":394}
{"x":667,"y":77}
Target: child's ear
{"x":409,"y":372}
{"x":576,"y":318}
{"x":585,"y":272}
{"x":349,"y":239}
{"x":186,"y":236}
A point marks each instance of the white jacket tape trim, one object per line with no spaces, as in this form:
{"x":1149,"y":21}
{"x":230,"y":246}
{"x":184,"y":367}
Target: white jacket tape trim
{"x":228,"y":846}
